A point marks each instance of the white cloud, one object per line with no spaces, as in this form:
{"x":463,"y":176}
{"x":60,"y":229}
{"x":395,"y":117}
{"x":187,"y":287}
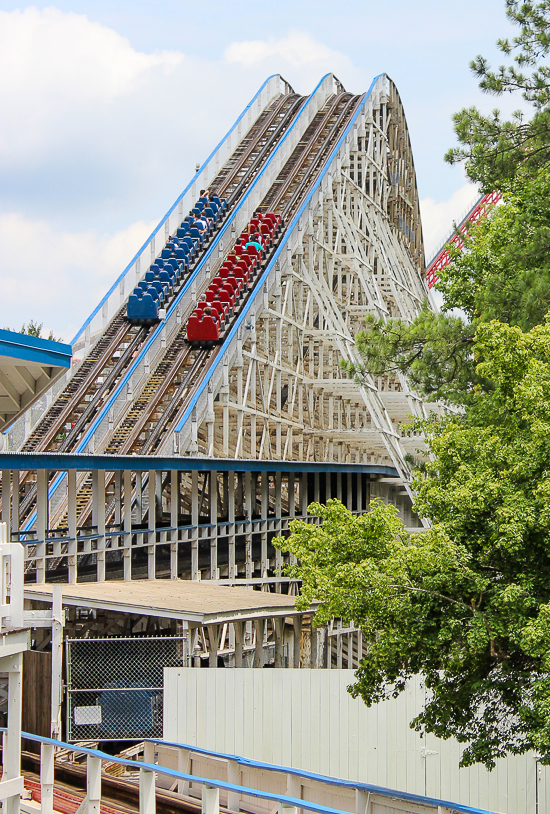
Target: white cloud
{"x":99,"y":138}
{"x":53,"y":65}
{"x":60,"y":276}
{"x":297,"y":48}
{"x":438,"y":216}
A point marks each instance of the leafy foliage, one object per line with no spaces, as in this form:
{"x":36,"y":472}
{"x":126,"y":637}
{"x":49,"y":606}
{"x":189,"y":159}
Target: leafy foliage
{"x":467,"y":602}
{"x":493,"y":149}
{"x":434,"y":351}
{"x":35,"y":329}
{"x":502,"y":273}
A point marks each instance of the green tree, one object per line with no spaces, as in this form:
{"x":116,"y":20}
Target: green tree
{"x":34,"y":329}
{"x":466,"y":603}
{"x":495,"y":149}
{"x":503,"y":273}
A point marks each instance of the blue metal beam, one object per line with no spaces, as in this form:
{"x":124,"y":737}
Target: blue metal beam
{"x":62,"y":462}
{"x":32,"y":349}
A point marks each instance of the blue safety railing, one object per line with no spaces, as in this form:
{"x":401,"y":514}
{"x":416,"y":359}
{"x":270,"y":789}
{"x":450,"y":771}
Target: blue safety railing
{"x":286,"y":800}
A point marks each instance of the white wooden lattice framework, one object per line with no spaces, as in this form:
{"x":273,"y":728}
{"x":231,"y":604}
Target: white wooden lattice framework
{"x":354,"y":248}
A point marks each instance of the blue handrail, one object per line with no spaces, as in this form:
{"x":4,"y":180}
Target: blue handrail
{"x":263,"y":795}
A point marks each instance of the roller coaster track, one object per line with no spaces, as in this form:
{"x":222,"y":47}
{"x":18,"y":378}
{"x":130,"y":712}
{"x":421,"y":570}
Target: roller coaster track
{"x":442,"y":258}
{"x":295,"y":178}
{"x":169,"y":388}
{"x":63,"y":424}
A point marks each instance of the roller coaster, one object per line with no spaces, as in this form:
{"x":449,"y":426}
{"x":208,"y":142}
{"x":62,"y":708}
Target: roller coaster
{"x":337,"y":173}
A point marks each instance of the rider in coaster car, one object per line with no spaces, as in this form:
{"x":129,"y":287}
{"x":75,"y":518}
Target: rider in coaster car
{"x":255,"y":241}
{"x":200,"y":224}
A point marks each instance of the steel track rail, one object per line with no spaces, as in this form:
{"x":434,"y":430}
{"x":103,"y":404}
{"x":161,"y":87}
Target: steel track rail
{"x":78,"y":388}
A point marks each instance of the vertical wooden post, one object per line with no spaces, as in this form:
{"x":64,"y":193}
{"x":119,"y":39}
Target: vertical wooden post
{"x":234,"y":777}
{"x":259,"y":647}
{"x":93,"y":784}
{"x":6,"y":498}
{"x":42,"y":521}
{"x":57,"y":662}
{"x":264,"y":567}
{"x":210,"y":800}
{"x":195,"y":523}
{"x":239,"y":638}
{"x":184,"y":766}
{"x":127,"y":564}
{"x":98,"y":519}
{"x":297,"y":624}
{"x":279,"y":628}
{"x":213,"y":500}
{"x":15,"y":502}
{"x":11,"y":753}
{"x":231,"y":521}
{"x":174,"y":520}
{"x":71,"y":523}
{"x":152,"y":524}
{"x":147,"y":795}
{"x":214,"y":632}
{"x":47,"y":767}
{"x":249,"y":565}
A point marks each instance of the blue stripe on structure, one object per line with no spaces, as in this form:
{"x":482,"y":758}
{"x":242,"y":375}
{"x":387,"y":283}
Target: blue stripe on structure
{"x":185,"y":191}
{"x":63,"y":462}
{"x":34,"y":349}
{"x":263,"y":795}
{"x":263,"y":278}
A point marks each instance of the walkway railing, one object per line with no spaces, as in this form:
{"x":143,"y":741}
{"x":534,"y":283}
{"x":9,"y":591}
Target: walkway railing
{"x":355,"y":798}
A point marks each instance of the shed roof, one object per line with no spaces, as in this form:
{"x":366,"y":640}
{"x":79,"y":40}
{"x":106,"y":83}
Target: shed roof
{"x":202,"y":603}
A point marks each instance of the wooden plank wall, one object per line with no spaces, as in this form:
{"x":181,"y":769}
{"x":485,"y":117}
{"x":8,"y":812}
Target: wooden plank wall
{"x":307,"y":720}
{"x":37,"y":682}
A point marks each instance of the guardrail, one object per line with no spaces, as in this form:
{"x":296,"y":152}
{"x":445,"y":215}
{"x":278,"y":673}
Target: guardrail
{"x":358,"y":798}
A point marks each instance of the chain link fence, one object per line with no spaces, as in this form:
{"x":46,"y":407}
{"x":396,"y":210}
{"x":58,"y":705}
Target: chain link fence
{"x":115,"y":686}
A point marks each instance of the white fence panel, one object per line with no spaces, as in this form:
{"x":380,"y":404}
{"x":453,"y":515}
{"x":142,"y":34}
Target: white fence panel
{"x":307,"y":720}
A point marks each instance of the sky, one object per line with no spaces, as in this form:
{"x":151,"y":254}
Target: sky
{"x":108,"y":106}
